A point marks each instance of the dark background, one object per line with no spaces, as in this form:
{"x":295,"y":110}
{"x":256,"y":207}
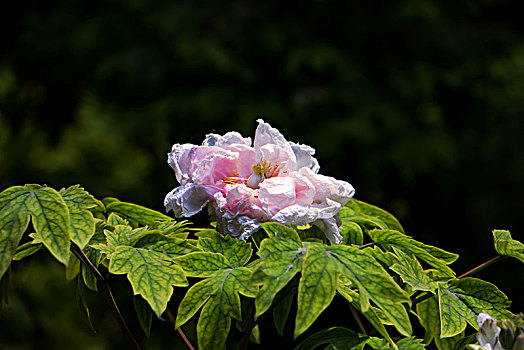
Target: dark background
{"x":419,"y":104}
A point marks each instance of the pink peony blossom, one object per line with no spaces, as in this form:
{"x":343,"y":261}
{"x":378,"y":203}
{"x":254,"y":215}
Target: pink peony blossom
{"x":244,"y":185}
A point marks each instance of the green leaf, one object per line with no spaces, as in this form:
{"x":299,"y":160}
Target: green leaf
{"x":236,"y":252}
{"x":370,"y":211}
{"x":411,"y":272}
{"x":213,"y":325}
{"x":50,"y":218}
{"x":429,"y":317}
{"x":461,"y":300}
{"x":281,"y":312}
{"x":81,"y":302}
{"x":317,"y":286}
{"x":410,"y":343}
{"x":351,"y":233}
{"x":142,"y":215}
{"x":195,"y":297}
{"x":143,"y":313}
{"x":82,"y":221}
{"x":202,"y":264}
{"x":505,"y":245}
{"x":151,"y":273}
{"x":371,"y":314}
{"x":422,"y":251}
{"x":172,"y":228}
{"x":282,"y":258}
{"x":114,"y":220}
{"x":14,"y":219}
{"x":219,"y":293}
{"x":26,"y":249}
{"x":73,"y":269}
{"x":374,"y":283}
{"x":340,"y":337}
{"x":271,"y":285}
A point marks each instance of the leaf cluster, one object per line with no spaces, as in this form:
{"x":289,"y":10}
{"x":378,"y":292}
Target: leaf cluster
{"x":388,"y":280}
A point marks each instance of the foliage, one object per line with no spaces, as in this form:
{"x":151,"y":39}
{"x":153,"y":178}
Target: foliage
{"x":228,"y":280}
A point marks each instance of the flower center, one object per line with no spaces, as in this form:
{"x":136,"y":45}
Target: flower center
{"x":262,"y":171}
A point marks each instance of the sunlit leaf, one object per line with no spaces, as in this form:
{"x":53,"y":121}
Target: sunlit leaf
{"x":351,"y":233}
{"x":26,"y":249}
{"x":82,"y":221}
{"x":151,"y":273}
{"x":395,"y":238}
{"x":317,"y":286}
{"x":411,"y":272}
{"x":461,"y":300}
{"x":142,"y":215}
{"x":372,"y":212}
{"x":236,"y":252}
{"x":374,"y":283}
{"x":505,"y":245}
{"x":50,"y":218}
{"x":14,"y":219}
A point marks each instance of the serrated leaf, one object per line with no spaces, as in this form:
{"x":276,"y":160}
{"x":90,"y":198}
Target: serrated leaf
{"x":371,"y":211}
{"x":236,"y":252}
{"x":50,"y":218}
{"x":122,"y":235}
{"x":348,"y":215}
{"x":195,"y":297}
{"x":26,"y":249}
{"x":223,"y":302}
{"x":351,"y":233}
{"x":150,"y":273}
{"x":505,"y":245}
{"x":429,"y":317}
{"x":410,"y":343}
{"x":89,"y":277}
{"x":317,"y":286}
{"x":143,"y":313}
{"x":286,"y":233}
{"x":140,"y":214}
{"x":374,"y":283}
{"x":281,"y":252}
{"x":82,"y":222}
{"x":172,"y":228}
{"x":371,"y":314}
{"x":114,"y":220}
{"x":396,"y":238}
{"x":14,"y":219}
{"x":461,"y":300}
{"x":213,"y":325}
{"x":411,"y":272}
{"x":202,"y":264}
{"x":271,"y":285}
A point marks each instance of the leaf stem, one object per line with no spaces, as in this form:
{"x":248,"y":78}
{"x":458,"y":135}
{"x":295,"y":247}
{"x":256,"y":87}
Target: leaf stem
{"x":357,"y":318}
{"x":79,"y":253}
{"x":179,"y":330}
{"x":482,"y":266}
{"x":370,"y":244}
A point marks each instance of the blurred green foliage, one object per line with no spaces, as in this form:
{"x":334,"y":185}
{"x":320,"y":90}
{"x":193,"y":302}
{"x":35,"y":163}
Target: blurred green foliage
{"x":418,"y":103}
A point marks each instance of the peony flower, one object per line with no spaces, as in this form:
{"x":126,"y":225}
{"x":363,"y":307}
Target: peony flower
{"x":245,"y":184}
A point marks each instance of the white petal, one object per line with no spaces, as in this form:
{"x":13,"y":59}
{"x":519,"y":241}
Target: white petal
{"x":229,"y":138}
{"x":303,"y":215}
{"x":304,"y":155}
{"x":329,"y":187}
{"x":240,"y":226}
{"x":330,"y":228}
{"x":271,"y":146}
{"x":187,"y":200}
{"x":488,"y":333}
{"x":180,"y":161}
{"x":279,"y":191}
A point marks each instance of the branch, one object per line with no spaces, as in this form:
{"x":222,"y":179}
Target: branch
{"x":79,"y":253}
